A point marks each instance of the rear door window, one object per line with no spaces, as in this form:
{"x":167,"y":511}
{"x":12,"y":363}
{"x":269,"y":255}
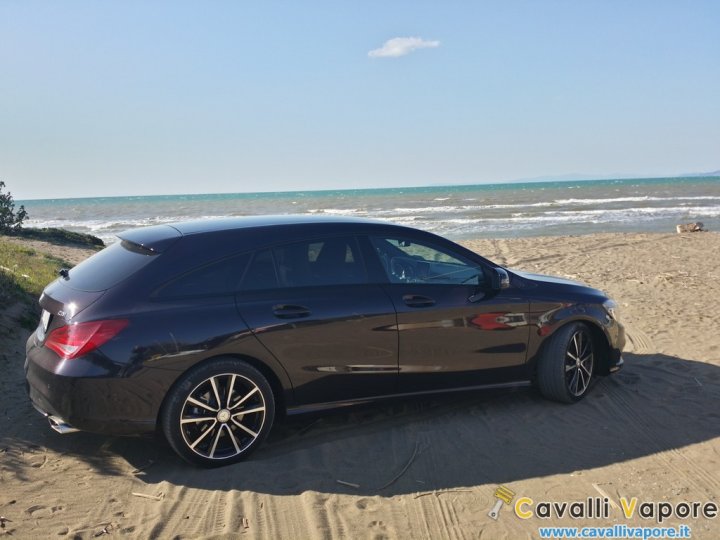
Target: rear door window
{"x":310,"y":263}
{"x":318,"y":262}
{"x":109,"y":267}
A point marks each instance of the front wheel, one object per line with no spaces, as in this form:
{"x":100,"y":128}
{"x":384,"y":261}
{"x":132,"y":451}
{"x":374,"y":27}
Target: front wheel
{"x":218,"y":413}
{"x":566,"y":364}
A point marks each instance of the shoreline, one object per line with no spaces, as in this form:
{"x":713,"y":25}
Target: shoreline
{"x":455,"y":212}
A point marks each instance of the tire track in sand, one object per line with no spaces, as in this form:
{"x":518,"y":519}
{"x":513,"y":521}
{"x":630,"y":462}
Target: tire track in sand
{"x":639,"y":340}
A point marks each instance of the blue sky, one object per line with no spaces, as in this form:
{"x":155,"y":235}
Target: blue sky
{"x":135,"y":97}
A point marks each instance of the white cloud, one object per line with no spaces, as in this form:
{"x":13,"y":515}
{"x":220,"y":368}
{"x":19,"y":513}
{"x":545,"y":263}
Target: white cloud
{"x":400,"y":46}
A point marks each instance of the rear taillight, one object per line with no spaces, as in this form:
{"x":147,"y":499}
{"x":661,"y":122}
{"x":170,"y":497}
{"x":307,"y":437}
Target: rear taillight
{"x":74,"y":340}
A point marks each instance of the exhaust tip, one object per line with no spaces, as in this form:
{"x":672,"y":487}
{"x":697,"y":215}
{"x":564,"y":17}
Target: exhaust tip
{"x":59,"y":425}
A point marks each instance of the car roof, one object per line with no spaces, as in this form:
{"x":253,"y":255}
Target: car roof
{"x":226,"y":224}
{"x":221,"y":236}
{"x":159,"y":237}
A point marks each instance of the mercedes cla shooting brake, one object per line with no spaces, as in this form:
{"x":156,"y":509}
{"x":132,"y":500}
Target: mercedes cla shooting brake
{"x":206,"y":330}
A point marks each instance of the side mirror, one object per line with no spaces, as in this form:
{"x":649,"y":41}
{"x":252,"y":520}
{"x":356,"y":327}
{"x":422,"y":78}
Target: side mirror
{"x":499,"y":279}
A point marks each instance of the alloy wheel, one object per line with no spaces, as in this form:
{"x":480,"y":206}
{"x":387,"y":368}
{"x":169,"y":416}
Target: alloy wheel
{"x":579,"y":361}
{"x":222,"y":416}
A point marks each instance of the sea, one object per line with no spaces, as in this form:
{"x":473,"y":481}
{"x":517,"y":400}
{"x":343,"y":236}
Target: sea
{"x":458,"y":212}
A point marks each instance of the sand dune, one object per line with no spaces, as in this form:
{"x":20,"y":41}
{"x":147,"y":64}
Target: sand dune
{"x":651,"y":432}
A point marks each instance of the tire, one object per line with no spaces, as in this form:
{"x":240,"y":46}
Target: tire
{"x":566,"y":364}
{"x":218,"y":413}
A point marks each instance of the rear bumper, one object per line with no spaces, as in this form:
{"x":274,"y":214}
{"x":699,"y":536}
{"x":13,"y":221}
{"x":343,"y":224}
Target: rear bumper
{"x":84,"y":395}
{"x":95,"y":405}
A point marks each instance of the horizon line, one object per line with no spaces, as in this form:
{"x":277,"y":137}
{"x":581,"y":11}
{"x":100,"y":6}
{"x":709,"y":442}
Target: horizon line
{"x":533,"y":180}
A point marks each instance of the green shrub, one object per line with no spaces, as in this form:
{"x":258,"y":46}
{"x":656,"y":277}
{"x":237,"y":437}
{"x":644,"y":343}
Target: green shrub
{"x":10,"y":220}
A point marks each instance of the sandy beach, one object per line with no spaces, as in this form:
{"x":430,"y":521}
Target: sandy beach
{"x":425,"y":467}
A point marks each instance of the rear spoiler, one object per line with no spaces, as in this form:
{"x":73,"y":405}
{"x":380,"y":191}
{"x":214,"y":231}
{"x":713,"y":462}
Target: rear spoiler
{"x":156,"y":239}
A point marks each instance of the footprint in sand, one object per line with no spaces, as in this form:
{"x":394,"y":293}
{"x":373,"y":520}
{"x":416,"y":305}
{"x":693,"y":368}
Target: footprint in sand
{"x":366,"y":504}
{"x":378,"y":530}
{"x":39,"y":510}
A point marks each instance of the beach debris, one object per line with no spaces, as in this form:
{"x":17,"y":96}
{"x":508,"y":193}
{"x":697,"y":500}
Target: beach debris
{"x":350,"y":484}
{"x":697,"y":226}
{"x":245,"y":523}
{"x":158,"y":497}
{"x":105,"y":530}
{"x":604,"y":494}
{"x":439,"y":492}
{"x":394,"y":478}
{"x":404,"y":469}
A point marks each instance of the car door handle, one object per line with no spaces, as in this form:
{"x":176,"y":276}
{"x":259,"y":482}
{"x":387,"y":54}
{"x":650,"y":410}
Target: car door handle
{"x":414,"y":300}
{"x":290,"y":311}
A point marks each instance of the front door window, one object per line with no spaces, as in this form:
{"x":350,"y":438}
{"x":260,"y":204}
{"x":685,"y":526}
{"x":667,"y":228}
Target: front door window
{"x":407,"y":261}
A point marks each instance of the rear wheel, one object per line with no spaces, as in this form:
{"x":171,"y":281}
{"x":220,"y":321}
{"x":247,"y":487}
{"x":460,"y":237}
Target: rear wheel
{"x":566,"y":364}
{"x":218,"y":413}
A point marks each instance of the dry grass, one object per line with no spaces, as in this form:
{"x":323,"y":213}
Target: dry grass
{"x":24,"y":273}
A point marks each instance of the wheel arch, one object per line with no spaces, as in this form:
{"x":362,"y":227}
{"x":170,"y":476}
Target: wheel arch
{"x":279,"y":392}
{"x":601,"y":341}
{"x":602,"y":346}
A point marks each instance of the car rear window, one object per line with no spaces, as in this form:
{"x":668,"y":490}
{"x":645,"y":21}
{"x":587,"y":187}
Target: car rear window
{"x":109,"y":266}
{"x":217,"y":278}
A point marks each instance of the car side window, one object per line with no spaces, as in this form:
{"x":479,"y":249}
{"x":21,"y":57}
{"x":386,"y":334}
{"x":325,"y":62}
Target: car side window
{"x":220,"y":277}
{"x":317,"y":262}
{"x":409,"y":261}
{"x":261,"y":272}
